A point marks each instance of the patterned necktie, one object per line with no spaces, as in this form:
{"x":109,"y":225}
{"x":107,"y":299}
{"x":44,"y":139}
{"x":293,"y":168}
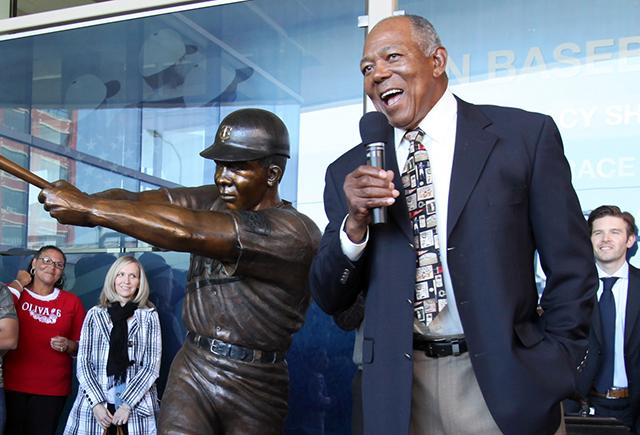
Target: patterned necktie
{"x":430,"y":297}
{"x":607,"y":308}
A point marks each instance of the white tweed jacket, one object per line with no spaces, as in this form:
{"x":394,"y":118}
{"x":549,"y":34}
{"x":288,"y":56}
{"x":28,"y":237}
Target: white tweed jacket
{"x":145,"y":349}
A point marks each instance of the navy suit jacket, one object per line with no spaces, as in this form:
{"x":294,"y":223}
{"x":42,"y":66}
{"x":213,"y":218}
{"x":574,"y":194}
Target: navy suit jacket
{"x":587,"y":377}
{"x":510,"y":194}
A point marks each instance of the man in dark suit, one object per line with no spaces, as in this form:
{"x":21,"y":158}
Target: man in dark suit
{"x":608,"y":385}
{"x":473,"y":356}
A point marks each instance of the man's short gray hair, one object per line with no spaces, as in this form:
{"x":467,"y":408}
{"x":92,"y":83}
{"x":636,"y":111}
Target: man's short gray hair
{"x":425,"y":34}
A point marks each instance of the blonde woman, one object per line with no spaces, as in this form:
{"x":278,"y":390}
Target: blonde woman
{"x":118,"y":358}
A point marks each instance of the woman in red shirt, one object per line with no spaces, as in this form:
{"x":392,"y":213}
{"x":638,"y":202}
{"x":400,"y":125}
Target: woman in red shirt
{"x":38,"y":373}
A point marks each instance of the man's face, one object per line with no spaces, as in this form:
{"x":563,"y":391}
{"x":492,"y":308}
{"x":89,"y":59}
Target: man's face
{"x":610,"y":240}
{"x":242,"y":185}
{"x":401,"y":80}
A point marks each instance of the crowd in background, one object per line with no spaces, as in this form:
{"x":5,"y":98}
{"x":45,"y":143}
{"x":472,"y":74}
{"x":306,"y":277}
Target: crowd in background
{"x":117,"y":344}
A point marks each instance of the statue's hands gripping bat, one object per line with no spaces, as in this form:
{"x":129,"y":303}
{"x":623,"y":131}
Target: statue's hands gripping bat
{"x":62,"y":200}
{"x":67,"y":204}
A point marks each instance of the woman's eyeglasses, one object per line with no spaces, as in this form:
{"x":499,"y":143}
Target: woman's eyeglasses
{"x":49,"y":262}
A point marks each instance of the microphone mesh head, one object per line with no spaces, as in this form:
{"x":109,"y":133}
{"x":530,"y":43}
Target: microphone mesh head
{"x":374,"y":127}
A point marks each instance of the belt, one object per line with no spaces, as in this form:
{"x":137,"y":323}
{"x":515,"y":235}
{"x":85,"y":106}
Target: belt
{"x":233,"y":351}
{"x":441,"y":348}
{"x":612,"y":393}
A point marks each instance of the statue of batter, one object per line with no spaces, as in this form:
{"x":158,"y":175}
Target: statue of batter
{"x":247,"y":282}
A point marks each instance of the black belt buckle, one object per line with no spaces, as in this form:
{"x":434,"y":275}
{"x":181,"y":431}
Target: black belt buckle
{"x":440,"y":348}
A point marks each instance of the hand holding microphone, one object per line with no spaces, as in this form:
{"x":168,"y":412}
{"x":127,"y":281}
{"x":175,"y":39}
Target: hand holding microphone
{"x":369,"y":188}
{"x":375,"y":132}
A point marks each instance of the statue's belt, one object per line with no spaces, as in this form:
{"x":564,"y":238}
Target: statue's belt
{"x":233,"y":351}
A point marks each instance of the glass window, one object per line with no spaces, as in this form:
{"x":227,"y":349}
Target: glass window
{"x":43,"y":230}
{"x":14,"y":151}
{"x":13,"y":197}
{"x":131,"y":104}
{"x":12,"y":235}
{"x":16,"y":119}
{"x":171,"y":142}
{"x":52,"y":125}
{"x":144,"y":96}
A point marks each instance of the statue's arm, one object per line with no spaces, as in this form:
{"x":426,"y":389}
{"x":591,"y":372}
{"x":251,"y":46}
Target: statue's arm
{"x":157,"y":196}
{"x":146,"y":216}
{"x":191,"y":197}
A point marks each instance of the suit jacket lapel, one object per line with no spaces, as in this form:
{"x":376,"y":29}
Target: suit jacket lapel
{"x":633,"y":304}
{"x":398,"y":212}
{"x":472,"y":148}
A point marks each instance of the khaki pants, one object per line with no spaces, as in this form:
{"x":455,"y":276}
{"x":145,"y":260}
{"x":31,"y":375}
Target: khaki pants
{"x":447,"y":399}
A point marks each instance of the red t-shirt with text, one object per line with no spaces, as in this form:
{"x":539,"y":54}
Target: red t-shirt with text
{"x":34,"y":367}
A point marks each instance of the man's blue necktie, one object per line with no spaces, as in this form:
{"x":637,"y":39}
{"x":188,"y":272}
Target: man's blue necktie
{"x":607,"y":307}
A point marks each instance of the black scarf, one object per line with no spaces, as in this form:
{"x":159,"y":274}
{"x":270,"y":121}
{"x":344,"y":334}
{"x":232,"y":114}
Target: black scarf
{"x":118,"y":359}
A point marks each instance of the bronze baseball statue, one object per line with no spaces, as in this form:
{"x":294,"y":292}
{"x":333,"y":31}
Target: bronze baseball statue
{"x":247,"y":282}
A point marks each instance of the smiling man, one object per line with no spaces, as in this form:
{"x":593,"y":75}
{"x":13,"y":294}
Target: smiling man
{"x":247,"y":287}
{"x":609,"y":384}
{"x":452,"y":342}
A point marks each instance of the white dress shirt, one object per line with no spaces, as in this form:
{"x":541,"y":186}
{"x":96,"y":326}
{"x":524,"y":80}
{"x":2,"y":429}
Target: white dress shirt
{"x":440,"y":134}
{"x":619,"y":291}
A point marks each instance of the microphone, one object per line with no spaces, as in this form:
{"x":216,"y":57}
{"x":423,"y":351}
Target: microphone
{"x":375,"y":131}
